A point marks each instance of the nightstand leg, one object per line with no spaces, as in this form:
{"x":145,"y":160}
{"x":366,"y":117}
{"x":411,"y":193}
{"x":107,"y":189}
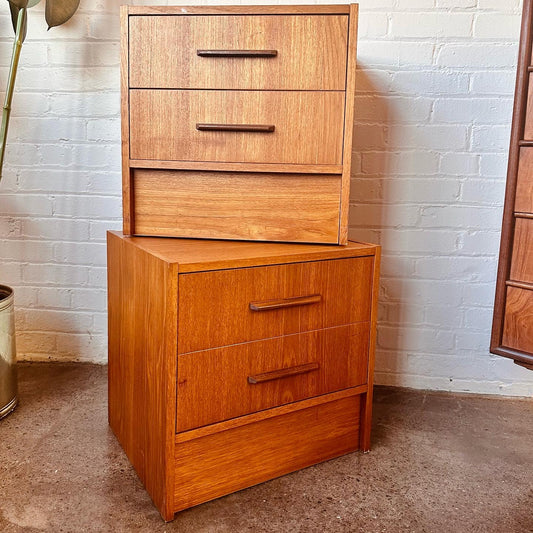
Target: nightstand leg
{"x":366,"y":421}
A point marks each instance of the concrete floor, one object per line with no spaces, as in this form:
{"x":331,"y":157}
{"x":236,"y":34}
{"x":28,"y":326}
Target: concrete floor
{"x":440,"y":463}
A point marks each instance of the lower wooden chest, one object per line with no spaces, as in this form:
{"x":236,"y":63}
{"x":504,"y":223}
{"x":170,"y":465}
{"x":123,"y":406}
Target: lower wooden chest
{"x":231,"y":363}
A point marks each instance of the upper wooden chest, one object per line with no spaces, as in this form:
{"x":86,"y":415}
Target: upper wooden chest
{"x":237,"y":121}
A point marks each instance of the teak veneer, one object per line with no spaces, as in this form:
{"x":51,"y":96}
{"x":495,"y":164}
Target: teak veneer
{"x":234,"y":112}
{"x":231,"y":363}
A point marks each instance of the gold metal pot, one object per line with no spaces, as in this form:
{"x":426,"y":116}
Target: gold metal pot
{"x":8,"y":354}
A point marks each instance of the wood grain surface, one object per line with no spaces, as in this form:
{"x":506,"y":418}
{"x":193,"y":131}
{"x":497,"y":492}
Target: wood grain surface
{"x":142,"y":364}
{"x":202,"y":166}
{"x":367,"y":398}
{"x":524,"y":182}
{"x":311,"y":52}
{"x":163,"y":126}
{"x":349,"y":115}
{"x":125,"y":123}
{"x":213,"y":385}
{"x":327,"y":9}
{"x":522,"y":260}
{"x":518,"y":325}
{"x":218,"y":464}
{"x":212,"y":313}
{"x":195,"y":255}
{"x":250,"y":206}
{"x":528,"y":127}
{"x":259,"y":416}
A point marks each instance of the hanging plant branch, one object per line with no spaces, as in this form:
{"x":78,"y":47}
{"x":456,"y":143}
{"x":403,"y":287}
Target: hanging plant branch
{"x":57,"y":12}
{"x":20,"y":33}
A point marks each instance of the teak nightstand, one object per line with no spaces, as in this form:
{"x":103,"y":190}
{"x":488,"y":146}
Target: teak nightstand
{"x":231,"y":363}
{"x":237,"y":121}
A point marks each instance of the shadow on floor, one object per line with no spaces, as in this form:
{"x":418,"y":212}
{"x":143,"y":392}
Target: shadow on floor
{"x":440,"y":462}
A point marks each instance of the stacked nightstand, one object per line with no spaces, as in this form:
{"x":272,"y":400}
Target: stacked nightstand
{"x":231,"y":363}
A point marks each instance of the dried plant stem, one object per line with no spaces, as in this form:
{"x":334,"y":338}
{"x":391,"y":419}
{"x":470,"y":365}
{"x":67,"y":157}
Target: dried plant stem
{"x":6,"y":112}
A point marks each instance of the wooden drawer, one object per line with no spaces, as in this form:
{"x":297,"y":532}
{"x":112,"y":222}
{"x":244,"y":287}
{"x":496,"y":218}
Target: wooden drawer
{"x":528,"y":126}
{"x":518,"y":324}
{"x":522,"y":258}
{"x":223,"y":383}
{"x":308,"y":126}
{"x":240,"y":305}
{"x":310,"y":52}
{"x":524,"y":182}
{"x":226,"y":205}
{"x":213,"y":465}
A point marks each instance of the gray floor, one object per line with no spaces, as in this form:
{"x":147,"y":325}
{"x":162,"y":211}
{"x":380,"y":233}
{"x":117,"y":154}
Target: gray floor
{"x":440,"y":463}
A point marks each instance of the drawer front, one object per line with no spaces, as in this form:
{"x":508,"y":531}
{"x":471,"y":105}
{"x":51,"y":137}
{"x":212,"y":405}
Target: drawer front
{"x":215,"y":465}
{"x":293,"y":127}
{"x":518,"y":325}
{"x":524,"y":183}
{"x":216,"y":385}
{"x":528,"y":126}
{"x":240,"y":305}
{"x":304,"y":52}
{"x":225,"y":205}
{"x":522,"y":258}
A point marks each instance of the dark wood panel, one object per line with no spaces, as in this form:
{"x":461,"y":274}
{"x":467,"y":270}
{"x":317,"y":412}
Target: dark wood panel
{"x":528,"y":127}
{"x":519,"y":131}
{"x":518,"y":326}
{"x":524,"y":182}
{"x":522,"y":259}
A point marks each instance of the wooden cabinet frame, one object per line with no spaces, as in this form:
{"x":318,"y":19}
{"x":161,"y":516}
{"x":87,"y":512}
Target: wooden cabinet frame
{"x":336,"y":231}
{"x":504,"y":281}
{"x":197,"y":464}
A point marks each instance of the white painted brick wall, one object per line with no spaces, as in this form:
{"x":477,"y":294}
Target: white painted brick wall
{"x":434,"y":101}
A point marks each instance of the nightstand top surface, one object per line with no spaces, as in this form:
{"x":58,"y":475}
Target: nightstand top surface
{"x":326,"y":9}
{"x":196,"y":255}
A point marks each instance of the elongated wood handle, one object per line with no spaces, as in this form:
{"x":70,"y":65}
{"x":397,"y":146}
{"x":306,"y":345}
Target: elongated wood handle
{"x":259,"y":128}
{"x":283,"y":373}
{"x":269,"y":305}
{"x":237,"y":53}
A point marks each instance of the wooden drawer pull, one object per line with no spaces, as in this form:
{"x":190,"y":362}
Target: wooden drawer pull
{"x":285,"y":302}
{"x":283,"y":373}
{"x":259,"y":128}
{"x":237,"y":53}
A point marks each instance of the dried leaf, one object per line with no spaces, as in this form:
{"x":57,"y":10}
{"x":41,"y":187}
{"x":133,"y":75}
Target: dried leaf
{"x":57,"y":12}
{"x":19,"y":4}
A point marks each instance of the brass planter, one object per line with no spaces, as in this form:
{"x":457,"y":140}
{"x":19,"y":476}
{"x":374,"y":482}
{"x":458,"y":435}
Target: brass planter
{"x":8,"y":354}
